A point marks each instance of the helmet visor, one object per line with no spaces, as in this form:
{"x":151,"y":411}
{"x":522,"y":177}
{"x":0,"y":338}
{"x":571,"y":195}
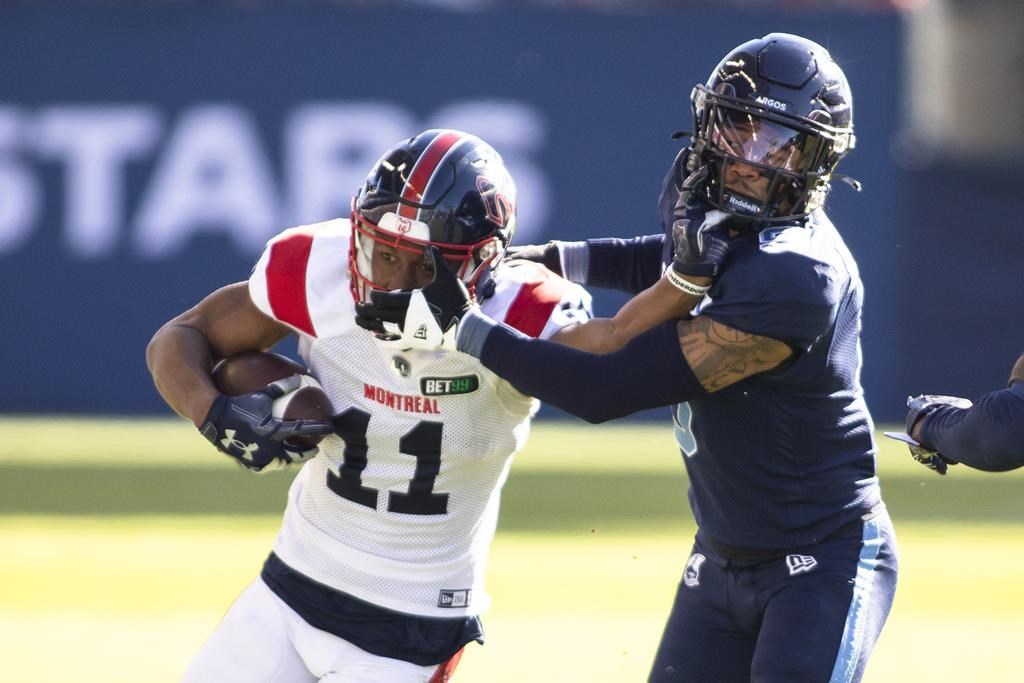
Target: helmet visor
{"x":761,"y":141}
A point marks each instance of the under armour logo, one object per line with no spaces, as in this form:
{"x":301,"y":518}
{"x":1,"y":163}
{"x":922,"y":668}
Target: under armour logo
{"x":229,"y":441}
{"x":799,"y":564}
{"x":420,"y":333}
{"x":691,"y":575}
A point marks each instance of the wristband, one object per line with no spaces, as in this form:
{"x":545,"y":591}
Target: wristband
{"x":685,"y":285}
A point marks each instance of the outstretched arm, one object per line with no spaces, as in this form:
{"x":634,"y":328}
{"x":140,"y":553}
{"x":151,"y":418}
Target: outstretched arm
{"x":671,"y":363}
{"x":988,"y":436}
{"x":653,"y":306}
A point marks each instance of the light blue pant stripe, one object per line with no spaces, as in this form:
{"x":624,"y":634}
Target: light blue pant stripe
{"x":853,"y":633}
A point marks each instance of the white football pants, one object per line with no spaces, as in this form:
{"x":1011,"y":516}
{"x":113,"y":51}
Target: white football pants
{"x":262,"y":640}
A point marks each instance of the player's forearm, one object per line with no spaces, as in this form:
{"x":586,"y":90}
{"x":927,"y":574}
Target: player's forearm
{"x":649,"y":308}
{"x":988,"y":436}
{"x":628,"y":265}
{"x":649,"y":372}
{"x":180,"y":360}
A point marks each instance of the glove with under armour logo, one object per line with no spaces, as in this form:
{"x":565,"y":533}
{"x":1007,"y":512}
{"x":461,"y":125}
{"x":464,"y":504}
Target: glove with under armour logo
{"x":700,"y":240}
{"x":244,"y":428}
{"x":425,"y":318}
{"x":546,"y":254}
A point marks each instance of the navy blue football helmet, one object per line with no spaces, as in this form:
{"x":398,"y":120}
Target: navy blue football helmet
{"x":770,"y":126}
{"x":443,"y":188}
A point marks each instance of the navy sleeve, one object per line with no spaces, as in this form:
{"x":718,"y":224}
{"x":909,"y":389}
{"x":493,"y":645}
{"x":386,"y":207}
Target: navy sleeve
{"x":630,"y":265}
{"x":649,"y":372}
{"x":988,"y":436}
{"x":785,"y":296}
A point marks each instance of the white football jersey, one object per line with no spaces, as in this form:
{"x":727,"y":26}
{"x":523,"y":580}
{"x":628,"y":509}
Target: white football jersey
{"x":401,"y":508}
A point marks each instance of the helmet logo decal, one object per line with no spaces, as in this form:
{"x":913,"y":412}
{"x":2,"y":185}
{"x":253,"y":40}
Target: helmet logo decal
{"x":498,"y":206}
{"x":404,"y":225}
{"x":774,"y":104}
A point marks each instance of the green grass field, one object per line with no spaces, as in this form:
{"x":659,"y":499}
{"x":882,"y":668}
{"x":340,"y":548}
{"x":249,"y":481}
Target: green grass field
{"x":124,"y":541}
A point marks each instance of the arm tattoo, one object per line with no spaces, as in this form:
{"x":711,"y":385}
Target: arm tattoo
{"x":720,"y":355}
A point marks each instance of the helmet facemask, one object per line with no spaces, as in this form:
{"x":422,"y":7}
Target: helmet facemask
{"x":468,"y":262}
{"x":761,"y":165}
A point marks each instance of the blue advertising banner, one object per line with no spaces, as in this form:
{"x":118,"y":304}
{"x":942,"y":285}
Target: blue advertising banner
{"x":146,"y":156}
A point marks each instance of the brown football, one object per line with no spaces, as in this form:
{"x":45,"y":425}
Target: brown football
{"x":252,"y":370}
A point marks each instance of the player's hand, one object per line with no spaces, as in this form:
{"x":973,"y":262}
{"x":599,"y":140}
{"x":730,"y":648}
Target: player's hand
{"x":928,"y":457}
{"x":244,"y":428}
{"x":425,"y":318}
{"x":700,"y":240}
{"x":546,"y":254}
{"x":917,"y":408}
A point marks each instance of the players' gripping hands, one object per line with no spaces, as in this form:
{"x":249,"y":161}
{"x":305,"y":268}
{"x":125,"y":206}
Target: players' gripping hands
{"x":425,"y":318}
{"x":917,"y":408}
{"x":549,"y":255}
{"x":244,"y":428}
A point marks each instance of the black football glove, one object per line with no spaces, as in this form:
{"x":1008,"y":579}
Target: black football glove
{"x":917,"y":408}
{"x":244,"y":428}
{"x":425,"y":318}
{"x":546,"y":254}
{"x":700,"y":240}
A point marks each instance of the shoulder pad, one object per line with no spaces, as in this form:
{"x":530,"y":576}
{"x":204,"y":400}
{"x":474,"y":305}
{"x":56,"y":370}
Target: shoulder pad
{"x":535,"y":301}
{"x":302,"y":279}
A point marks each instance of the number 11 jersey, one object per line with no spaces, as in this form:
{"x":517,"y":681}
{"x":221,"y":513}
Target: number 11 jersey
{"x":400,"y":507}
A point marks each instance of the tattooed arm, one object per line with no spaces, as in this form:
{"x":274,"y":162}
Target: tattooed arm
{"x":670,"y":363}
{"x":720,"y":355}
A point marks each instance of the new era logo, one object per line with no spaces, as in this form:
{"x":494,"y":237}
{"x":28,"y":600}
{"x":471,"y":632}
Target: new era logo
{"x":799,"y":564}
{"x":691,"y":575}
{"x":454,"y":598}
{"x":420,"y":333}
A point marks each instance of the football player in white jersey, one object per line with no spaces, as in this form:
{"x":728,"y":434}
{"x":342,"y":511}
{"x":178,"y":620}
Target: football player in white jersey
{"x":377,"y":571}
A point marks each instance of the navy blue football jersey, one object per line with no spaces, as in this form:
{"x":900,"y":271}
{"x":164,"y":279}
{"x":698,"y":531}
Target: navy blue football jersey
{"x":785,"y":458}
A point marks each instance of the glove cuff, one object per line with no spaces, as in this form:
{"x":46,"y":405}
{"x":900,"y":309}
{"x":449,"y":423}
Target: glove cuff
{"x":209,"y":428}
{"x":473,"y":331}
{"x":575,"y":257}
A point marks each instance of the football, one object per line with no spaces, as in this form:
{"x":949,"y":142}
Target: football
{"x":252,"y":370}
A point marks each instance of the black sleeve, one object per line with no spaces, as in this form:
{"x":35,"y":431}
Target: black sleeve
{"x":630,"y":265}
{"x":988,"y":436}
{"x":649,"y":372}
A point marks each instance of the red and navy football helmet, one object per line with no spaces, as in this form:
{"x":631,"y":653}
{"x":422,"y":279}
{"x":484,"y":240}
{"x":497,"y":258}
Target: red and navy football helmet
{"x":443,"y":188}
{"x":779,"y":110}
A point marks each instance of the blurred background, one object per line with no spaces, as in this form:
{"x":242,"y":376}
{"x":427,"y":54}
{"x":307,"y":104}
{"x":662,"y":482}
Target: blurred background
{"x":148,"y":148}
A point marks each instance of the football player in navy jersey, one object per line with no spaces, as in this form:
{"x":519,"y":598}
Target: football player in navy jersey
{"x":986,"y":435}
{"x":794,"y":564}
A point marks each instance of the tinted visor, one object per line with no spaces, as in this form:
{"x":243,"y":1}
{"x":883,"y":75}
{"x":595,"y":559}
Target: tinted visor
{"x":761,"y":141}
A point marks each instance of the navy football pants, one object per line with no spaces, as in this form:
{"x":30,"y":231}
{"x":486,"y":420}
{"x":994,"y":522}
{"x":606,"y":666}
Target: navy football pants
{"x":813,"y":615}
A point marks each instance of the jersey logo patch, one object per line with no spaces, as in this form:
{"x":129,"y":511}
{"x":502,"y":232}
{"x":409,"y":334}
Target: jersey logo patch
{"x":449,"y":386}
{"x":454,"y":598}
{"x":691,"y":575}
{"x":800,"y":564}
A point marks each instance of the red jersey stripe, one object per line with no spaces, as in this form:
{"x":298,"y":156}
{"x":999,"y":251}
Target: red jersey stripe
{"x":286,"y":281}
{"x":424,"y":171}
{"x":532,"y":307}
